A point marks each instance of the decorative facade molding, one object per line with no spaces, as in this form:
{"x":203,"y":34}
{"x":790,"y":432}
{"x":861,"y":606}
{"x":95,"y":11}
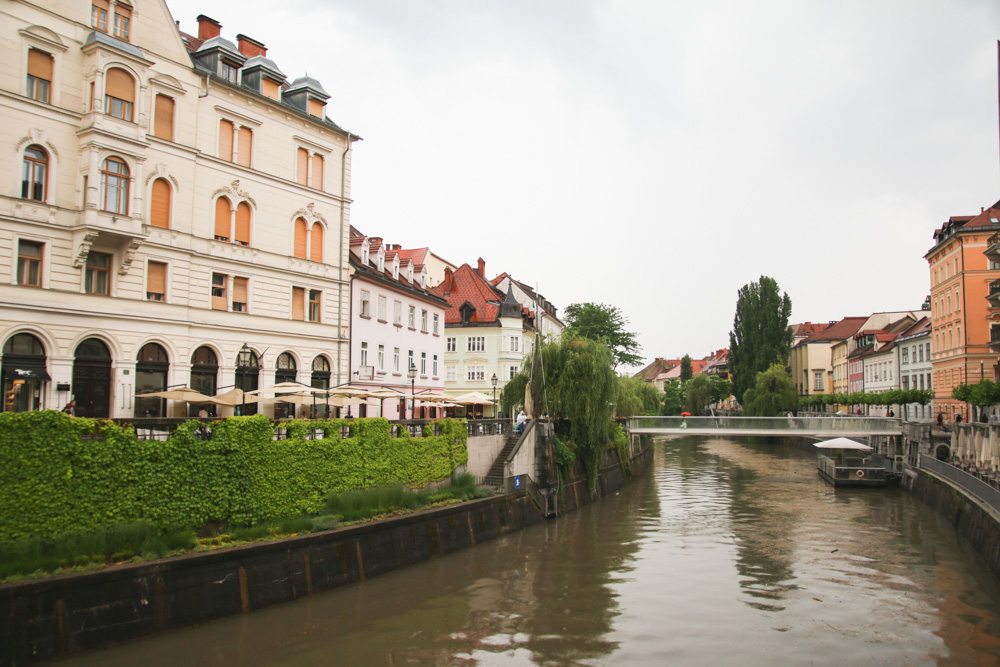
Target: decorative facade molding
{"x":235,"y":195}
{"x":162,"y":171}
{"x":128,"y":256}
{"x":84,"y":249}
{"x":311,"y":214}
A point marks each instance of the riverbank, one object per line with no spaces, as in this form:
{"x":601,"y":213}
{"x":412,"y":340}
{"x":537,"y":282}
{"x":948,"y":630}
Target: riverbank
{"x":68,"y":614}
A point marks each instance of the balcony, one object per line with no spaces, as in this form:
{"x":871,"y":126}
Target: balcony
{"x":993,"y":248}
{"x":995,"y":337}
{"x":993,"y":295}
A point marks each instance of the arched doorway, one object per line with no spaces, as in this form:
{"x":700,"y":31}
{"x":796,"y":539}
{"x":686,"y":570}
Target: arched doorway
{"x":285,"y":370}
{"x":320,"y":380}
{"x":151,"y":366}
{"x":92,"y":379}
{"x":24,"y":375}
{"x":247,"y":377}
{"x":204,"y":378}
{"x":942,"y":452}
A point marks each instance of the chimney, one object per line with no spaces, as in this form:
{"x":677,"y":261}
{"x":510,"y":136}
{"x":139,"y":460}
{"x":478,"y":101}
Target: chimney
{"x":208,"y":27}
{"x":481,"y":270}
{"x":250,"y":47}
{"x":447,"y":280}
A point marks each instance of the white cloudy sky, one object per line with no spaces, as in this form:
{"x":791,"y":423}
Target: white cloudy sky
{"x":658,"y":155}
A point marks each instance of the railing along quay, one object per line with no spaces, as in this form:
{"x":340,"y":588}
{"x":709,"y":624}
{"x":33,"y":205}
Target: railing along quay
{"x":973,"y":483}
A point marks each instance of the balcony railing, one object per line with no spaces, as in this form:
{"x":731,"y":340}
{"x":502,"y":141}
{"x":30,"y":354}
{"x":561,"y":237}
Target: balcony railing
{"x":993,"y":295}
{"x":993,"y":246}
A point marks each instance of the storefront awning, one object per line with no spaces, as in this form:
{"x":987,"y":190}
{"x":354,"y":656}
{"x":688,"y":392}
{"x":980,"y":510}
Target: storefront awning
{"x":25,"y":372}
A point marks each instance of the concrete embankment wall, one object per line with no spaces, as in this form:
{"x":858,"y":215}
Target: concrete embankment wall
{"x":48,"y":618}
{"x":974,"y":520}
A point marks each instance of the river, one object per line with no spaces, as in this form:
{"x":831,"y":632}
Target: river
{"x":728,"y":552}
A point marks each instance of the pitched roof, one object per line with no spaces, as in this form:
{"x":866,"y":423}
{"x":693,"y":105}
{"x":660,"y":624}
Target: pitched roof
{"x":988,"y":219}
{"x":467,"y":286}
{"x":837,"y":331}
{"x":919,"y":328}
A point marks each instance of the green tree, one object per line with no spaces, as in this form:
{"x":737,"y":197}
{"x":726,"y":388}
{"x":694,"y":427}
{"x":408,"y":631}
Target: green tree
{"x":606,"y":324}
{"x":772,"y":394}
{"x":699,"y":394}
{"x":686,"y":372}
{"x":760,"y":335}
{"x":721,"y":389}
{"x":673,"y":398}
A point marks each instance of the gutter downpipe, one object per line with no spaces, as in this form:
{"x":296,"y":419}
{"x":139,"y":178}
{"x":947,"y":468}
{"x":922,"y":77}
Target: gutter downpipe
{"x":340,"y":259}
{"x":208,"y":85}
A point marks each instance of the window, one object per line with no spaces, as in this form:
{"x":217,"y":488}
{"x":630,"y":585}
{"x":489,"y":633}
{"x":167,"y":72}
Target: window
{"x":97,"y":274}
{"x":39,"y":75}
{"x":298,"y":303}
{"x":241,"y":233}
{"x":317,"y":172}
{"x":512,"y":372}
{"x":229,"y":71}
{"x":515,"y":343}
{"x":34,"y":173}
{"x":381,"y":308}
{"x":156,"y":281}
{"x":29,"y":263}
{"x":314,"y":303}
{"x":159,"y":204}
{"x":476,"y":344}
{"x":244,"y":146}
{"x":436,"y":317}
{"x":99,"y":16}
{"x":906,"y":355}
{"x":163,"y":117}
{"x":316,"y":243}
{"x":301,"y":245}
{"x":434,"y":369}
{"x":412,"y":320}
{"x":223,"y":219}
{"x":449,"y":374}
{"x":449,"y":344}
{"x":397,"y":314}
{"x":818,"y":381}
{"x":366,"y":305}
{"x":423,"y":364}
{"x":958,"y":302}
{"x":423,"y":321}
{"x":114,"y":186}
{"x":220,"y":295}
{"x":381,"y":358}
{"x":302,"y":166}
{"x":395,"y":360}
{"x":409,"y":356}
{"x":475,"y":372}
{"x":226,"y":130}
{"x":240,"y":295}
{"x":123,"y":17}
{"x":119,"y":93}
{"x":364,"y":354}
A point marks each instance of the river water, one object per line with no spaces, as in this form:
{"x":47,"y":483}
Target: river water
{"x":728,"y":552}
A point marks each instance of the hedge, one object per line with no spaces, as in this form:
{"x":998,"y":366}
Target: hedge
{"x":55,"y":480}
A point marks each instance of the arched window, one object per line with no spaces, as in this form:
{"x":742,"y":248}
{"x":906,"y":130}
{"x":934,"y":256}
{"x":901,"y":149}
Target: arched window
{"x":152,"y":364}
{"x":284,"y":371}
{"x":114,"y":186}
{"x":92,"y":379}
{"x":119,"y":93}
{"x":241,"y":234}
{"x":247,"y":377}
{"x":24,"y":374}
{"x":159,"y":204}
{"x":316,"y":243}
{"x":320,"y":380}
{"x":223,"y":219}
{"x":204,"y":372}
{"x":35,"y":173}
{"x":301,"y":238}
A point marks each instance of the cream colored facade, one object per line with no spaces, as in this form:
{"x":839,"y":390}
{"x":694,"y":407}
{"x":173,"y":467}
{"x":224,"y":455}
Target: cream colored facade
{"x":78,"y":218}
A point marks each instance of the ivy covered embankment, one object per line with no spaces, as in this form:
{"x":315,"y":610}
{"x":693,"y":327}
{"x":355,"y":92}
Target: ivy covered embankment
{"x":56,"y":479}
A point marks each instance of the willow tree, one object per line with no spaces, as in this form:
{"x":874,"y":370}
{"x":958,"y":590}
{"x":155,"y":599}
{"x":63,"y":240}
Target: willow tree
{"x":772,"y":394}
{"x":574,"y":379}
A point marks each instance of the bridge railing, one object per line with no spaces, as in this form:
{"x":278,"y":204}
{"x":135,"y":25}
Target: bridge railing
{"x":977,"y":487}
{"x":784,"y":425}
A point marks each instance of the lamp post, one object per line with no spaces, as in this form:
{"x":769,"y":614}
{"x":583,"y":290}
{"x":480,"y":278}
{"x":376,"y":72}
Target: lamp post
{"x":242,"y":363}
{"x":494,"y":381}
{"x":411,"y":373}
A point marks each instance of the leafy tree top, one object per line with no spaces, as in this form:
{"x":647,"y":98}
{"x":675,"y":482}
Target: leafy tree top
{"x":605,"y":324}
{"x":760,"y":335}
{"x":772,"y":393}
{"x":686,"y":371}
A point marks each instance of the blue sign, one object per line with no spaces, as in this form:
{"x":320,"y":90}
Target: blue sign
{"x":517,"y":482}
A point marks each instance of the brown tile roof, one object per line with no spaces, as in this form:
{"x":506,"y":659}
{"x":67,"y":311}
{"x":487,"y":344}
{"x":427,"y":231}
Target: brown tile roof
{"x":837,"y":331}
{"x":467,"y":286}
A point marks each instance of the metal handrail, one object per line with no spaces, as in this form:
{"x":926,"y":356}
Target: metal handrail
{"x":994,"y":287}
{"x":964,"y":480}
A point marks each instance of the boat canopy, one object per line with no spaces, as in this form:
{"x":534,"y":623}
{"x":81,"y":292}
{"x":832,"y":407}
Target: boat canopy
{"x":842,"y":443}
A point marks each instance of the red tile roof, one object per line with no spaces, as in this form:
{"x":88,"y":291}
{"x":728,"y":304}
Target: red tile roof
{"x":837,"y":331}
{"x":467,"y":286}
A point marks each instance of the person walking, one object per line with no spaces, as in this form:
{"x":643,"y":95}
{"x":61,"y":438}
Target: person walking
{"x":521,"y":418}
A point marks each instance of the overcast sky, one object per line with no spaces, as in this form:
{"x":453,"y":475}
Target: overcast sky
{"x":657,"y":155}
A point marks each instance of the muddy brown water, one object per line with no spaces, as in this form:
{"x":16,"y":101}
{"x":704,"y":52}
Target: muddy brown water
{"x":728,"y":552}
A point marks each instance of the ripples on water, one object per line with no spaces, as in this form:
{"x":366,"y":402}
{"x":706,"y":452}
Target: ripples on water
{"x":726,"y":553}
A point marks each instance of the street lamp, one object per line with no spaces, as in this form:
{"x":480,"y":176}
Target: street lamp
{"x":494,"y":381}
{"x":242,"y":364}
{"x":412,"y":374}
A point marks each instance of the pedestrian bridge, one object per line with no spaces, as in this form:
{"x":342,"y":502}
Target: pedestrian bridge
{"x":806,"y":427}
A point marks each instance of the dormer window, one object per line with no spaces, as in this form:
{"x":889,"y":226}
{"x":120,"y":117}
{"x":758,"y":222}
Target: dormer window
{"x":364,"y":252}
{"x":395,"y":267}
{"x":409,"y":272}
{"x":423,"y":279}
{"x":229,"y":71}
{"x":381,"y":259}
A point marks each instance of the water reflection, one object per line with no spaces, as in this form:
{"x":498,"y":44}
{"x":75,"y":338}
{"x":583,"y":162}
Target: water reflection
{"x":729,"y":552}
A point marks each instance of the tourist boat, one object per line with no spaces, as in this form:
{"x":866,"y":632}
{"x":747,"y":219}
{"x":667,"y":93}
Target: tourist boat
{"x":846,"y":462}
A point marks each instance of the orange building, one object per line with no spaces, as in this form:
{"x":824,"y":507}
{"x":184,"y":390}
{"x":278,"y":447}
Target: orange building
{"x":964,"y":263}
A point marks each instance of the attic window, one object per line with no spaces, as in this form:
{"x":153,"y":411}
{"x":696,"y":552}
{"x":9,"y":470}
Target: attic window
{"x":229,"y":71}
{"x":994,"y":220}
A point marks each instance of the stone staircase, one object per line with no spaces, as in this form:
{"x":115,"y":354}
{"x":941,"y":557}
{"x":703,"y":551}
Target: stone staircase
{"x":494,"y":478}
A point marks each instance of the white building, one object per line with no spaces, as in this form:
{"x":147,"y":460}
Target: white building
{"x":915,"y":365}
{"x":545,"y":314}
{"x":171,"y":200}
{"x":396,"y":323}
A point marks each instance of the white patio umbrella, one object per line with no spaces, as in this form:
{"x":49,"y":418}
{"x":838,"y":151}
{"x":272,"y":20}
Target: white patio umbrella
{"x":178,"y":394}
{"x":232,"y":397}
{"x":473,"y":398}
{"x":280,"y":388}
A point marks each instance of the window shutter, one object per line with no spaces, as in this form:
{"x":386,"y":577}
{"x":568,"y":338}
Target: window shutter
{"x":245,"y":146}
{"x":317,"y":172}
{"x":159,"y":206}
{"x":302,"y":167}
{"x":242,"y":233}
{"x":163,"y":125}
{"x":316,"y":108}
{"x":298,"y":303}
{"x":316,"y":248}
{"x":300,"y":238}
{"x":156,"y":278}
{"x":223,"y":213}
{"x":226,"y":140}
{"x":240,"y":290}
{"x":39,"y":64}
{"x":271,"y":89}
{"x":118,"y":83}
